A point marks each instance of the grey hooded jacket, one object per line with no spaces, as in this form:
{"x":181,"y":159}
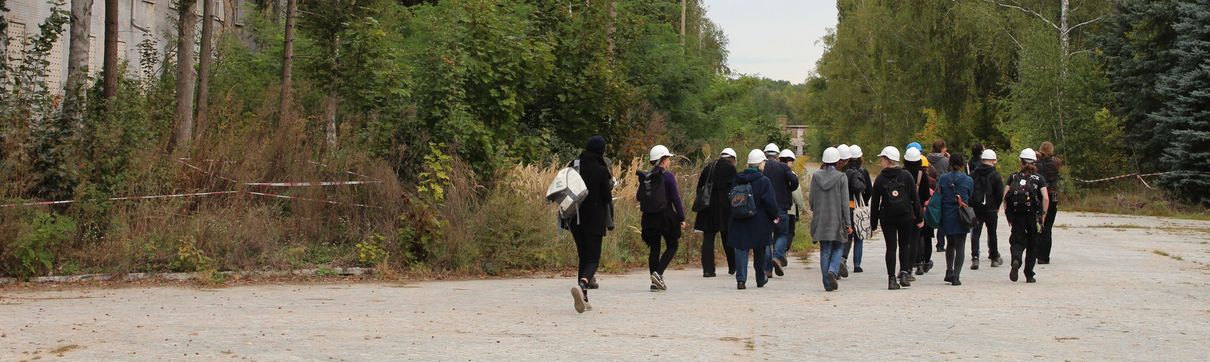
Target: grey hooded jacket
{"x":829,"y":201}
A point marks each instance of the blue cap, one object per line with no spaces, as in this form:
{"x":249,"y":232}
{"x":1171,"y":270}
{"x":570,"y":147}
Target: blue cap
{"x":916,"y":145}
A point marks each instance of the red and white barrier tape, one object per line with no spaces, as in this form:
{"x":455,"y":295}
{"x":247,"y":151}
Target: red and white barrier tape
{"x":126,"y":198}
{"x":307,"y":184}
{"x":309,"y":199}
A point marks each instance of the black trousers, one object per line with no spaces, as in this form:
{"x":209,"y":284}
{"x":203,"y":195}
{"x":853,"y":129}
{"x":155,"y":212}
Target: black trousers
{"x":990,"y":219}
{"x":923,"y":246}
{"x":1024,"y":239}
{"x":898,"y":234}
{"x":671,"y":234}
{"x":708,"y":252}
{"x":1044,"y":237}
{"x":588,"y":248}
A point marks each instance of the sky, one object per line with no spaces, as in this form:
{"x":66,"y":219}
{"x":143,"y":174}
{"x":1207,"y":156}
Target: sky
{"x":777,"y":39}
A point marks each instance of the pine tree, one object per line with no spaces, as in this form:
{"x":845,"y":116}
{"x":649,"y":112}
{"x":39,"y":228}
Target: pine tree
{"x":1184,"y":120}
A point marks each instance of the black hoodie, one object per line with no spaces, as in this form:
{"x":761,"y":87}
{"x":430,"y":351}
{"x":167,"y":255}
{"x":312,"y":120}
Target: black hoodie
{"x":880,"y":191}
{"x":986,"y":176}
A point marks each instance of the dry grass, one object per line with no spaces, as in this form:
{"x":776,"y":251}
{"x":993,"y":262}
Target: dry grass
{"x":1130,"y":199}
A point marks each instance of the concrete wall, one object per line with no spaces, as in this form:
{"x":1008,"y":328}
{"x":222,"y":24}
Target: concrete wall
{"x":138,"y":20}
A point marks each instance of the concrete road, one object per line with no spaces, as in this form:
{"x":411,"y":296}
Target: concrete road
{"x":1120,"y":288}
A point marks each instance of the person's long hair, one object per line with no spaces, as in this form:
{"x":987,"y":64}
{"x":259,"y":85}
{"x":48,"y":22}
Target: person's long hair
{"x":1028,"y":168}
{"x":1047,"y":149}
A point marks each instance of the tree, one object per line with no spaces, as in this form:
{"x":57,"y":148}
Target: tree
{"x":184,"y":75}
{"x":204,"y":60}
{"x":77,"y":58}
{"x":110,"y":67}
{"x":287,"y":62}
{"x":1184,"y":120}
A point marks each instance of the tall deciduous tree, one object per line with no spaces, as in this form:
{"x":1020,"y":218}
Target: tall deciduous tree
{"x":204,"y":60}
{"x":184,"y":75}
{"x":109,"y":71}
{"x":77,"y":58}
{"x":287,"y":62}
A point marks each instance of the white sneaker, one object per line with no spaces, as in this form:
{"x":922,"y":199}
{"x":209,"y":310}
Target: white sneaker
{"x":577,"y":296}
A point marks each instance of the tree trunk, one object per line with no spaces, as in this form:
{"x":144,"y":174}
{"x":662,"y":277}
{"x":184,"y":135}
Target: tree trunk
{"x":683,"y":7}
{"x":109,"y":68}
{"x":77,"y":60}
{"x":330,"y":117}
{"x":287,"y":63}
{"x":229,"y":15}
{"x":1064,"y":57}
{"x":184,"y":75}
{"x":204,"y":60}
{"x":612,"y":28}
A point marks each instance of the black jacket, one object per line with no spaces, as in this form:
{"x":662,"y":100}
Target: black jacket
{"x":987,"y":175}
{"x":716,"y":217}
{"x":859,"y":182}
{"x":876,"y":196}
{"x":592,"y":215}
{"x":784,"y":182}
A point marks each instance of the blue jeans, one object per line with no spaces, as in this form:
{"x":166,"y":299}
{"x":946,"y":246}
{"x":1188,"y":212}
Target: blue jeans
{"x":741,"y":265}
{"x":830,"y":254}
{"x":781,"y":240}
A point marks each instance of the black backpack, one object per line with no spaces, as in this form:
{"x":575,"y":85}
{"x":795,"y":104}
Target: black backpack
{"x":652,"y":197}
{"x":743,"y":202}
{"x":1021,"y":195}
{"x":981,"y":194}
{"x":1048,"y":171}
{"x":897,"y":197}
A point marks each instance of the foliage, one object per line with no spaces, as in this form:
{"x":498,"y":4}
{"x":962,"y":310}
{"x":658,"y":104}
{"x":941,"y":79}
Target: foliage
{"x":37,"y":246}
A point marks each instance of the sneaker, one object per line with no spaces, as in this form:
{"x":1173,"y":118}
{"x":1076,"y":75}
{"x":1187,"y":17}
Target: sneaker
{"x":894,"y":285}
{"x":949,"y":276}
{"x":928,"y":265}
{"x":975,"y":264}
{"x":920,"y":270}
{"x":777,"y":268}
{"x":577,"y":297}
{"x":741,"y":285}
{"x":761,"y":285}
{"x":903,"y":280}
{"x":1030,"y":280}
{"x":731,"y":271}
{"x":997,"y":262}
{"x":592,"y":283}
{"x":708,"y":275}
{"x":655,"y":288}
{"x":857,"y":269}
{"x":956,"y":282}
{"x":830,"y":284}
{"x":844,"y":269}
{"x":1012,"y":275}
{"x":658,"y":281}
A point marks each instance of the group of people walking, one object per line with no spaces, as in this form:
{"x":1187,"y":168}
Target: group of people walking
{"x":754,"y":207}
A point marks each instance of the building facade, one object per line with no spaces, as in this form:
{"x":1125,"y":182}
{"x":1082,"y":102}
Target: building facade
{"x":137,"y":20}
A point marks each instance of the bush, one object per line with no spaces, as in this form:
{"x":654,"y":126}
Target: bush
{"x":35,"y":250}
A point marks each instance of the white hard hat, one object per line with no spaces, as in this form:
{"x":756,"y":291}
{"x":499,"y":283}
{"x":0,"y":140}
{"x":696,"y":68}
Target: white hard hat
{"x":755,"y":157}
{"x":1029,"y":154}
{"x":658,"y":152}
{"x":728,"y":152}
{"x":844,"y":152}
{"x":988,"y":154}
{"x":855,"y":150}
{"x":892,"y":153}
{"x":772,"y":148}
{"x":787,"y":153}
{"x":831,"y":155}
{"x":912,"y":155}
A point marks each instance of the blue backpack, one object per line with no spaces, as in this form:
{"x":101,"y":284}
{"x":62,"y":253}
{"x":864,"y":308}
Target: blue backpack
{"x":743,"y":203}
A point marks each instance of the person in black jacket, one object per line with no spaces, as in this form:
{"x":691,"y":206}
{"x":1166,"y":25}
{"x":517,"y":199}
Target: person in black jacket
{"x":593,"y":218}
{"x":784,"y":183}
{"x":986,"y":199}
{"x":713,"y":219}
{"x":913,"y":163}
{"x":859,"y":190}
{"x":895,"y":206}
{"x":1048,"y":168}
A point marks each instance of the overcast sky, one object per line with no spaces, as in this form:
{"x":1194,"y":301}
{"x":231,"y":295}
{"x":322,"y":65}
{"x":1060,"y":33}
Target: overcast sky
{"x":778,"y":39}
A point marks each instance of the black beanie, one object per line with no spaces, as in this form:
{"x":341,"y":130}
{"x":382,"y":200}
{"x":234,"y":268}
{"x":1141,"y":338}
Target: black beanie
{"x":596,"y":144}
